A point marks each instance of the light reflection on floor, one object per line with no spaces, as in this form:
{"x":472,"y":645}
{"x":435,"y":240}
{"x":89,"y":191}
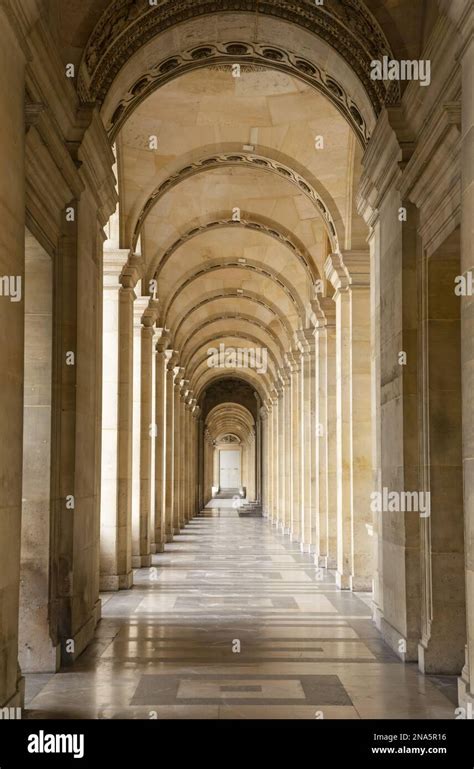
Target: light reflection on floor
{"x":233,"y":621}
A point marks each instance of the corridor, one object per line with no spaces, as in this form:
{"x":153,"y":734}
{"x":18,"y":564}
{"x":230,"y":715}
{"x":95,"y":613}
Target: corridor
{"x":169,"y":647}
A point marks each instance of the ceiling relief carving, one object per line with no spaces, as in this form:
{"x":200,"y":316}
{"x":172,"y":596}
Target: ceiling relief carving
{"x":127,"y":25}
{"x":244,"y":158}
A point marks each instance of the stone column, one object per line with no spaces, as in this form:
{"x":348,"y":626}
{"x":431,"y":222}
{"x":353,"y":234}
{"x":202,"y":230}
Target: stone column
{"x":258,"y":454}
{"x":308,"y":448}
{"x":125,"y":426}
{"x":140,"y":305}
{"x":116,"y":488}
{"x":268,"y":458}
{"x":253,"y":462}
{"x":281,"y":456}
{"x":394,"y":249}
{"x":296,"y":441}
{"x":160,"y":444}
{"x":264,"y":459}
{"x":350,"y":276}
{"x":197,"y":449}
{"x":182,"y":389}
{"x":147,"y":431}
{"x":169,"y":454}
{"x":215,"y":467}
{"x":466,"y":684}
{"x":187,"y":457}
{"x":288,"y":450}
{"x":274,"y":450}
{"x":176,"y":449}
{"x":325,"y":341}
{"x":12,"y":265}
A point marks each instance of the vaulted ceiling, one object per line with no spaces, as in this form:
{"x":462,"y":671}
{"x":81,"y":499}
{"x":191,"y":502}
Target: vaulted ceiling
{"x":239,"y":129}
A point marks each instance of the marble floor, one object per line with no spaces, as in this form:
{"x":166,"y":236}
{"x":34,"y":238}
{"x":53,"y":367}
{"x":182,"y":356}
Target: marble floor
{"x":233,"y":621}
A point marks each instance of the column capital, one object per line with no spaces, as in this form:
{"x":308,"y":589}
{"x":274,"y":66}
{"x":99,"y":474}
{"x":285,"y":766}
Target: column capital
{"x":348,"y":269}
{"x":113,"y":262}
{"x":324,"y":310}
{"x":151,"y":312}
{"x":284,"y":374}
{"x":274,"y":396}
{"x":132,"y":272}
{"x":306,"y":339}
{"x":162,"y":341}
{"x":171,"y":358}
{"x":139,"y":306}
{"x":178,"y":375}
{"x":183,"y":388}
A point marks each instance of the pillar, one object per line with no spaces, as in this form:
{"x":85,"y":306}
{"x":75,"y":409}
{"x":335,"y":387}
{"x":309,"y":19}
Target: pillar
{"x":296,"y":442}
{"x":169,"y":454}
{"x":350,"y":275}
{"x":466,"y":683}
{"x":309,"y":437}
{"x":12,"y":263}
{"x":160,"y":443}
{"x":326,"y":417}
{"x":140,"y":305}
{"x":281,"y":457}
{"x":117,"y":410}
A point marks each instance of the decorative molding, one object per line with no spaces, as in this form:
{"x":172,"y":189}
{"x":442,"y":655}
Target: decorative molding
{"x":232,"y":316}
{"x":245,"y":223}
{"x":346,"y":25}
{"x":199,"y":57}
{"x":240,"y":158}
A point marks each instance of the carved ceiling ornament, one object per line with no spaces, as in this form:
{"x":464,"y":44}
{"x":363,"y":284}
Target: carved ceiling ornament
{"x":127,"y":25}
{"x":229,"y":439}
{"x":237,"y":158}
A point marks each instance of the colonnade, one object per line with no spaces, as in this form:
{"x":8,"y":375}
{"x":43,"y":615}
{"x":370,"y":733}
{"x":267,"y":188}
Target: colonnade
{"x":106,"y":454}
{"x":150,"y":430}
{"x":317,"y":428}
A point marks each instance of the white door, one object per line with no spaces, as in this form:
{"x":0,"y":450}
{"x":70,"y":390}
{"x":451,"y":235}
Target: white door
{"x":229,"y":469}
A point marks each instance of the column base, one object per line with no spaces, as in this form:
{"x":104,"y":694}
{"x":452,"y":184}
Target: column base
{"x":321,"y":561}
{"x":405,"y":648}
{"x":466,"y":699}
{"x":17,"y":700}
{"x":111,"y":582}
{"x":176,"y":531}
{"x":141,"y":561}
{"x":343,"y":581}
{"x":82,"y":637}
{"x":47,"y":658}
{"x":168,"y":537}
{"x":160,"y":547}
{"x":360,"y":584}
{"x":439,"y":659}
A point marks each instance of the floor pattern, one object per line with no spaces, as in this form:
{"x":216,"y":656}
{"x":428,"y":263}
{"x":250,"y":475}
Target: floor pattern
{"x":233,"y":621}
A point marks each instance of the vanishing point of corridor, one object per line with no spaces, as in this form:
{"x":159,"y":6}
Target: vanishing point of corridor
{"x":233,"y":621}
